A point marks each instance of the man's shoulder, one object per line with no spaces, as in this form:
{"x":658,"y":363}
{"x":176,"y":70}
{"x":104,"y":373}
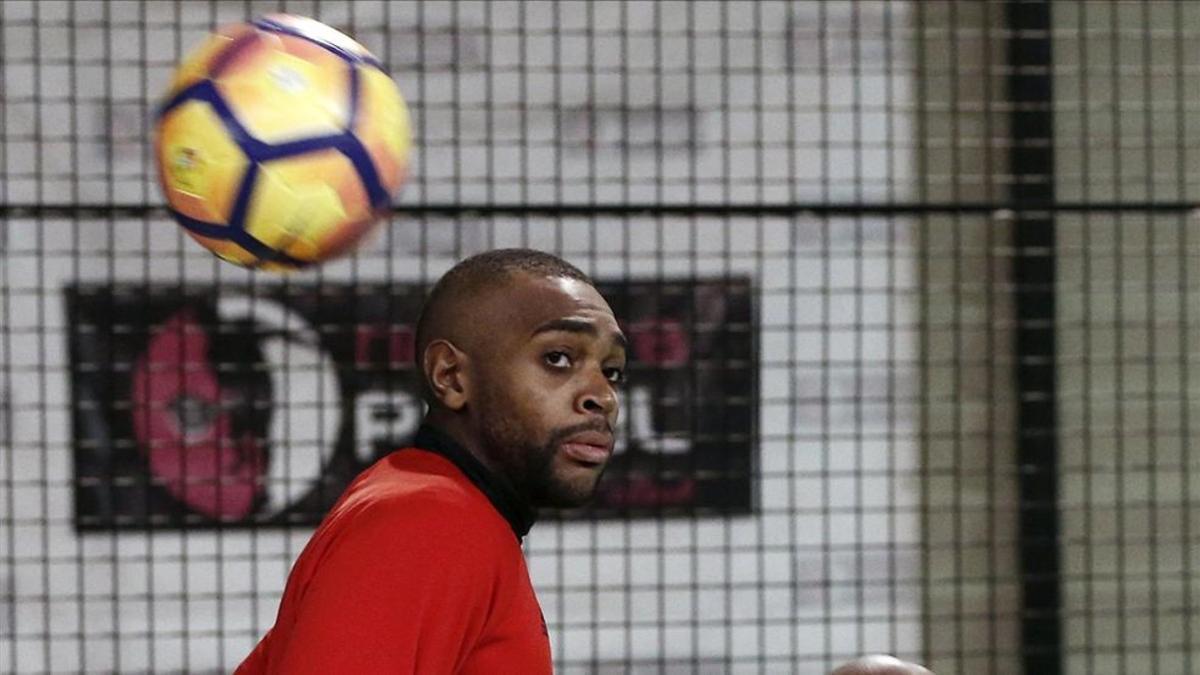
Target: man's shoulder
{"x":411,"y":506}
{"x":415,"y":486}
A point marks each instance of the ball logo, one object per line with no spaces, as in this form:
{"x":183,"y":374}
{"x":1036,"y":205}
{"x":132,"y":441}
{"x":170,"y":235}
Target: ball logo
{"x":298,"y":222}
{"x":288,"y":79}
{"x":187,"y":170}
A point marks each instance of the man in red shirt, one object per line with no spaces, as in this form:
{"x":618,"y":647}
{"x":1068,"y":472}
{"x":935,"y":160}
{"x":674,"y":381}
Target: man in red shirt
{"x":418,"y":567}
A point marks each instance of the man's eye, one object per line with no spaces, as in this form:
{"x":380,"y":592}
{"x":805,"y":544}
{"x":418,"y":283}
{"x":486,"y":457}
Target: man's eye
{"x":558,"y":360}
{"x":615,"y":375}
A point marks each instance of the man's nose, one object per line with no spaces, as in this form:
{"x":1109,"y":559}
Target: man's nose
{"x":598,"y":397}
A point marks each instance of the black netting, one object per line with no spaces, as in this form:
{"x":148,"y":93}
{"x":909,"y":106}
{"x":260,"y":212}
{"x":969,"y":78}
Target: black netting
{"x":909,"y":286}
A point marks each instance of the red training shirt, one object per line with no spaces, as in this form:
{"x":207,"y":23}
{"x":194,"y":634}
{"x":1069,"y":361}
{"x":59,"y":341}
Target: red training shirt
{"x":417,"y":569}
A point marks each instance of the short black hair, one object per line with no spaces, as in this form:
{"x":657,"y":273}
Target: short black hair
{"x":475,"y":274}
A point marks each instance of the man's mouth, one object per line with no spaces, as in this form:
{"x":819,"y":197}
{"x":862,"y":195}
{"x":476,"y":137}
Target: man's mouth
{"x":588,"y":447}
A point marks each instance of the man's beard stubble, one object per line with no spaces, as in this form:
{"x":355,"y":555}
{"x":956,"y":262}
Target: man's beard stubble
{"x":529,"y":465}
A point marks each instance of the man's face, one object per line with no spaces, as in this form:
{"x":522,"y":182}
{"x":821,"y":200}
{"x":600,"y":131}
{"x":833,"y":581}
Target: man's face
{"x":547,"y":373}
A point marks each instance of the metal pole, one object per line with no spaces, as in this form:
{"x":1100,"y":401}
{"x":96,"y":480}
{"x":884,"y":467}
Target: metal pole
{"x":1031,"y":157}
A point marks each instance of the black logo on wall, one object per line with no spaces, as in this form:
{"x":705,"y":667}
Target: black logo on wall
{"x":198,"y":407}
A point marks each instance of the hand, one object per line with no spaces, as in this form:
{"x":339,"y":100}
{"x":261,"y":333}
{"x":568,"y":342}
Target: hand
{"x":879,"y":664}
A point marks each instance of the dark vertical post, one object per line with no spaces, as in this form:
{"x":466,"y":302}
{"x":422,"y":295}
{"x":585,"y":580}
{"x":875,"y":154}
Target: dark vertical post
{"x":1030,"y":86}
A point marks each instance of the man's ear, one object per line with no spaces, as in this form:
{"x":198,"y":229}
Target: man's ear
{"x":446,"y":373}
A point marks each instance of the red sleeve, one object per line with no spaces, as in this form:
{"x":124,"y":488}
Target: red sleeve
{"x":395,"y":592}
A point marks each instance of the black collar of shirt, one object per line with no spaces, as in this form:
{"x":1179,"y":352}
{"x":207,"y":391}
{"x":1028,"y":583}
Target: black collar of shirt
{"x":516,"y":511}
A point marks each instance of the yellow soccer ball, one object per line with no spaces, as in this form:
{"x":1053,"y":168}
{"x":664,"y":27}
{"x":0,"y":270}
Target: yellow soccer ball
{"x":281,"y":143}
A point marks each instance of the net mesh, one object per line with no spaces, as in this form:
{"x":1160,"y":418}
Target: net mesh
{"x":910,"y":286}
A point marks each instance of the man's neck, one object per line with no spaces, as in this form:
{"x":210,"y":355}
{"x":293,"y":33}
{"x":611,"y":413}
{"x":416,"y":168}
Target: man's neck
{"x":515,"y":509}
{"x":454,"y":426}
